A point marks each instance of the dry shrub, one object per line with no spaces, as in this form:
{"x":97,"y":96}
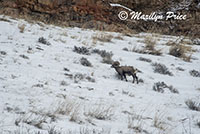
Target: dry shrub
{"x":180,"y":69}
{"x":107,"y":56}
{"x":90,"y":79}
{"x":85,"y":62}
{"x":177,"y":51}
{"x":81,"y":50}
{"x":102,"y":38}
{"x":161,"y":68}
{"x":198,"y":123}
{"x":44,"y":41}
{"x":103,"y":53}
{"x":172,"y":89}
{"x":144,"y":59}
{"x":21,"y":28}
{"x":181,"y":51}
{"x":195,"y":73}
{"x":193,"y":105}
{"x":125,"y":49}
{"x":79,"y":76}
{"x":3,"y":53}
{"x":136,"y":50}
{"x":4,"y":19}
{"x":24,"y":56}
{"x":196,"y":41}
{"x":160,"y":86}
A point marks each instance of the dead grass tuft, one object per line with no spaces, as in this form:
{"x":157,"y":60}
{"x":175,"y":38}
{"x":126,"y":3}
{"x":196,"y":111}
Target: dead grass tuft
{"x":86,"y":130}
{"x":149,"y":47}
{"x":150,"y":44}
{"x":135,"y":123}
{"x":119,"y":37}
{"x":100,"y":112}
{"x":21,"y":28}
{"x":102,"y":38}
{"x":32,"y":119}
{"x":159,"y":121}
{"x":181,"y":51}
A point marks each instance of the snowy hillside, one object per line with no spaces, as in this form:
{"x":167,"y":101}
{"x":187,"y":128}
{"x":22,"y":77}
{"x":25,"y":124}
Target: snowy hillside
{"x":56,"y":80}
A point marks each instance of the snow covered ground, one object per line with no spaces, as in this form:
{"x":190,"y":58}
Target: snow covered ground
{"x":44,"y":88}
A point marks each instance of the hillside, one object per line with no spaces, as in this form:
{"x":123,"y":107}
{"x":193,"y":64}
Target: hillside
{"x":56,"y":80}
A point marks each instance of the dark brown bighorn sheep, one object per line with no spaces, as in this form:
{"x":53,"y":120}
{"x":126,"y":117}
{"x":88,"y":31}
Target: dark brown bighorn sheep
{"x":123,"y":70}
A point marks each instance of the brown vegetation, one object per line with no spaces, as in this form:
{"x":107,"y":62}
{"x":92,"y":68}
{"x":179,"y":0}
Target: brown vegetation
{"x":181,"y":51}
{"x":100,"y":15}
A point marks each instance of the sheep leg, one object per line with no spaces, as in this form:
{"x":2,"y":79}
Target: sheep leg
{"x":136,"y":79}
{"x":121,"y":76}
{"x":125,"y":76}
{"x":133,"y":78}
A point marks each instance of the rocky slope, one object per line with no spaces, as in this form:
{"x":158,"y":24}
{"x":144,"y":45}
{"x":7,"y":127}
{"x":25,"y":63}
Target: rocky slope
{"x":100,"y":15}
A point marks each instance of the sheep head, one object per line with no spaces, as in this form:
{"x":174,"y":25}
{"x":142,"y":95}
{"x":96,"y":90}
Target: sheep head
{"x":115,"y":64}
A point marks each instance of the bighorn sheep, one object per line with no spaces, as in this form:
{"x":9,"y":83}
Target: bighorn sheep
{"x":123,"y":70}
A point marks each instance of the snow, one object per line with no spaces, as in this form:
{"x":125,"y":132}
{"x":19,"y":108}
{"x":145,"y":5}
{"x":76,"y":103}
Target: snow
{"x":32,"y":87}
{"x":119,"y":5}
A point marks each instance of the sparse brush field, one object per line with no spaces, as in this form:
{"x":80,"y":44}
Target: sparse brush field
{"x":57,"y":80}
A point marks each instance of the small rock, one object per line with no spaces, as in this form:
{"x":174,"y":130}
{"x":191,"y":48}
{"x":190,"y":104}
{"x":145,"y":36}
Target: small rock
{"x":44,"y":41}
